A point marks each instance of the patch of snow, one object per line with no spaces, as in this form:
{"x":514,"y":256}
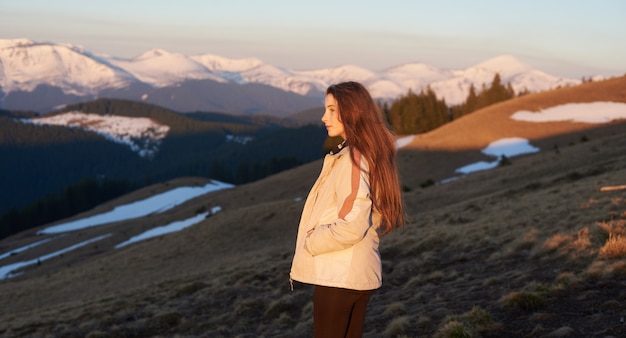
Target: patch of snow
{"x":169,"y":228}
{"x":26,"y":247}
{"x":593,"y":112}
{"x":450,"y":179}
{"x":508,"y":147}
{"x":219,"y":64}
{"x":403,"y":141}
{"x":141,"y":134}
{"x":7,"y":270}
{"x":153,"y":204}
{"x":477,"y":166}
{"x":238,"y":139}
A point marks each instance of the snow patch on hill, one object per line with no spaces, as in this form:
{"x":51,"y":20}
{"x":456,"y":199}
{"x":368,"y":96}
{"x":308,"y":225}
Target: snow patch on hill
{"x":593,"y":112}
{"x":141,"y":134}
{"x":154,"y":204}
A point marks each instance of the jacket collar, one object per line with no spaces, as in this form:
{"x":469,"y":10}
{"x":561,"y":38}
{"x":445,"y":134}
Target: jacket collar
{"x":337,"y":149}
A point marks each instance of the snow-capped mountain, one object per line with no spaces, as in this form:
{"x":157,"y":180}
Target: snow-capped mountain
{"x":30,"y":71}
{"x":161,"y":68}
{"x":25,"y":64}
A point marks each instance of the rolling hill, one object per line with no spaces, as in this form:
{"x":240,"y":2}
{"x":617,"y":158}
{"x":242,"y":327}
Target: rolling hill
{"x":533,"y":248}
{"x":43,"y":154}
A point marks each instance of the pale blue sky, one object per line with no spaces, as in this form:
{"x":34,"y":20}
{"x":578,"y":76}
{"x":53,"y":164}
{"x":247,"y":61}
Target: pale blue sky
{"x":572,"y":38}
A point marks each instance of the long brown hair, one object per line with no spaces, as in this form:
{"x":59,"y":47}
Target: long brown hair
{"x":367,"y":133}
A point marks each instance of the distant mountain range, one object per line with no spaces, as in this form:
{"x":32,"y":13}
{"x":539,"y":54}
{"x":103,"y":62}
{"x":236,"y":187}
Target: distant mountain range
{"x":41,"y":76}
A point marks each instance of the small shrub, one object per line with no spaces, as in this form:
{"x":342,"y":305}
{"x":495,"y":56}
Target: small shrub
{"x":611,"y":306}
{"x":189,"y":289}
{"x":615,"y":247}
{"x":537,"y":331}
{"x":250,"y":308}
{"x":615,"y":239}
{"x":428,"y":183}
{"x":556,"y":241}
{"x":285,"y":304}
{"x":397,"y":326}
{"x":394,"y":309}
{"x":98,"y":334}
{"x":285,"y":319}
{"x":106,"y":321}
{"x":563,"y":331}
{"x":596,"y":270}
{"x":523,"y":300}
{"x":436,"y":276}
{"x":491,"y":281}
{"x":423,"y":322}
{"x":479,"y":318}
{"x":504,"y":161}
{"x":567,"y":279}
{"x":540,"y":288}
{"x":165,"y":321}
{"x":469,"y":324}
{"x":582,"y":241}
{"x":454,"y":329}
{"x":577,"y":246}
{"x":414,"y":282}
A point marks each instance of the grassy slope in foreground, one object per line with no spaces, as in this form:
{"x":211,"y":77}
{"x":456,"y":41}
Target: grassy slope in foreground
{"x":514,"y":251}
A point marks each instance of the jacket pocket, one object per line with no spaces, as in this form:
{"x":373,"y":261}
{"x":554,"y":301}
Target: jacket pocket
{"x":334,"y":266}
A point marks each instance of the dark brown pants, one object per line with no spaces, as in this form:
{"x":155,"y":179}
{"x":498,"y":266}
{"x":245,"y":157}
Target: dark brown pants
{"x":339,"y":312}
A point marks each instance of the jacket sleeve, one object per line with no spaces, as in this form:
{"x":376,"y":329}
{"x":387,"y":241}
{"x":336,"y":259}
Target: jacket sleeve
{"x":354,"y":216}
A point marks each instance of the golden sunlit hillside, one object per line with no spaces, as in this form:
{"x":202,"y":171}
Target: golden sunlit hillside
{"x":530,"y":249}
{"x":428,"y":156}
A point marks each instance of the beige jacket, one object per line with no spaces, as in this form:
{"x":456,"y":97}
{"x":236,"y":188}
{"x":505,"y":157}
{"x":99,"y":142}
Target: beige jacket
{"x":334,"y":251}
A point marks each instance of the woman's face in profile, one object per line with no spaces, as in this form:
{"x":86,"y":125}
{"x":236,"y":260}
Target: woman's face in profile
{"x":331,"y":117}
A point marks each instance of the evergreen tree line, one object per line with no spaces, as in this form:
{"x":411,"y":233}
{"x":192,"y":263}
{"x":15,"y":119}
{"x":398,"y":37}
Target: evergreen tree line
{"x":252,"y":170}
{"x":422,"y":112}
{"x":91,"y":192}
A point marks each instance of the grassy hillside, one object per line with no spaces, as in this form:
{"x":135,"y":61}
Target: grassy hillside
{"x":456,"y":144}
{"x":533,"y":249}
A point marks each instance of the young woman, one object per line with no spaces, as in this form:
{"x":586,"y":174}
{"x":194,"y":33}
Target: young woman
{"x":355,"y":200}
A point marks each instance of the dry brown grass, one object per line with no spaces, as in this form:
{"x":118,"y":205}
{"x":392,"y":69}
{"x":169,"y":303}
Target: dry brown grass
{"x":531,"y":246}
{"x":615,"y":247}
{"x":615,"y":244}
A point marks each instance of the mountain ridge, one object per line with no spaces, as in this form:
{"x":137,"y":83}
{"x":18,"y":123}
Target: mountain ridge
{"x":27,"y":64}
